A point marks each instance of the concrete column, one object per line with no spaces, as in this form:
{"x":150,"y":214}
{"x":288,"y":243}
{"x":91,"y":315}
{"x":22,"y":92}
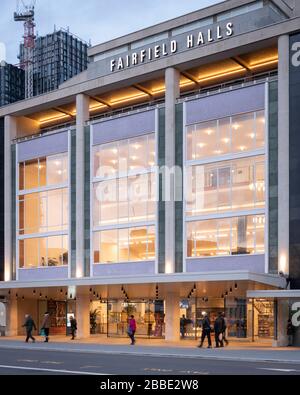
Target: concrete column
{"x":172,"y":80}
{"x":82,"y":108}
{"x":83,"y":316}
{"x":11,"y":317}
{"x":10,"y":132}
{"x":172,"y":316}
{"x":283,"y":154}
{"x":282,"y":319}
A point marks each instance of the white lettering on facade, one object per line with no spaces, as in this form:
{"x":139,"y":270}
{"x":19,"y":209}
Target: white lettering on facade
{"x":200,"y":39}
{"x":165,"y":52}
{"x":112,"y":65}
{"x":296,"y":316}
{"x":296,"y":55}
{"x":219,"y":33}
{"x":173,"y":46}
{"x":120,"y":64}
{"x":192,"y":40}
{"x":157,"y":51}
{"x":229,"y":28}
{"x":134,"y":59}
{"x":143,"y":55}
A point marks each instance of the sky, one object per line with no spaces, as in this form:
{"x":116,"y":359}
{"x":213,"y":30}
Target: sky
{"x":95,"y":20}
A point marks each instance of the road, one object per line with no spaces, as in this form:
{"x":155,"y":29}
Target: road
{"x":37,"y":362}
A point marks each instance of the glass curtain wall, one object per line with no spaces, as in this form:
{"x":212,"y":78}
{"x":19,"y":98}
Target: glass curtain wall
{"x":225,"y":186}
{"x":43,"y":209}
{"x":124,"y":200}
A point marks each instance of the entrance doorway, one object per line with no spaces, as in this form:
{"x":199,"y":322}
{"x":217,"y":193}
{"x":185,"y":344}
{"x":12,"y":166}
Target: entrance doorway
{"x":111,"y":318}
{"x":60,"y":313}
{"x":261,"y":318}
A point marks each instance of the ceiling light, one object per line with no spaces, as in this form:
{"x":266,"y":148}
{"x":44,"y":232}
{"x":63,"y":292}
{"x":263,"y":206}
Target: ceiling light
{"x":236,"y":126}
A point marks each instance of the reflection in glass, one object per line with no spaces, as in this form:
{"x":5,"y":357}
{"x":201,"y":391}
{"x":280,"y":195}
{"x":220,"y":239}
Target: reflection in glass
{"x":43,"y":252}
{"x":229,"y":236}
{"x":237,"y":134}
{"x":42,"y":172}
{"x":226,"y":186}
{"x":125,"y":245}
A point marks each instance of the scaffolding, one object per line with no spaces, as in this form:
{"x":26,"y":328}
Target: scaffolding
{"x":26,"y":15}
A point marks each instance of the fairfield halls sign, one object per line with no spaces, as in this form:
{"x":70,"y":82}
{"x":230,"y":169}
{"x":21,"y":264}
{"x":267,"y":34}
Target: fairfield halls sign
{"x":186,"y":42}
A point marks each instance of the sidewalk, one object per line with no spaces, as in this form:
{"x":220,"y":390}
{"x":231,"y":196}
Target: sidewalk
{"x":237,"y":350}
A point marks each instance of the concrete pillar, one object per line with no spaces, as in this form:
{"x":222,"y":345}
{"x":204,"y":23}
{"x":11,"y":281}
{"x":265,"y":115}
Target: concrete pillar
{"x":82,"y":108}
{"x":172,"y":316}
{"x":83,"y":316}
{"x":12,"y":317}
{"x":172,"y":80}
{"x":282,"y":319}
{"x":10,"y":132}
{"x":283,"y":154}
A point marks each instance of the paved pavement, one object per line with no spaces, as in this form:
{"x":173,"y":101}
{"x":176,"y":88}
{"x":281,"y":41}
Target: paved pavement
{"x":243,"y":351}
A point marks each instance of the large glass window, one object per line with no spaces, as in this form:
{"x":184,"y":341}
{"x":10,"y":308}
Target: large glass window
{"x":124,"y":245}
{"x":226,"y":186}
{"x":43,"y":252}
{"x":124,"y":157}
{"x":124,"y":194}
{"x":128,"y":199}
{"x":226,"y":236}
{"x":43,"y":212}
{"x":42,"y":172}
{"x":237,"y":134}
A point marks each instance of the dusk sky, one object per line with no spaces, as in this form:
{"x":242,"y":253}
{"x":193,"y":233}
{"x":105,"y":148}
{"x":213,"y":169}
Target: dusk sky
{"x":95,"y":20}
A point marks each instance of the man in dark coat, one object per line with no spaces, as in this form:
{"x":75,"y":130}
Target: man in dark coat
{"x":219,"y":330}
{"x":29,"y":324}
{"x":73,"y":323}
{"x":206,"y":331}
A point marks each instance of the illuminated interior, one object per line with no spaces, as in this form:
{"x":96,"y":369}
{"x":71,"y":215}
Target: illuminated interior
{"x":203,"y":76}
{"x":227,"y":236}
{"x":43,"y":206}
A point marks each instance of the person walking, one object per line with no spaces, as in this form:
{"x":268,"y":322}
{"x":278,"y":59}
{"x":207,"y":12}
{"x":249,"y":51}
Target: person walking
{"x":132,"y":329}
{"x":29,"y":324}
{"x":290,"y":333}
{"x":206,"y":331}
{"x":183,"y":326}
{"x":73,"y":323}
{"x":46,"y":326}
{"x":225,"y":330}
{"x":219,"y":330}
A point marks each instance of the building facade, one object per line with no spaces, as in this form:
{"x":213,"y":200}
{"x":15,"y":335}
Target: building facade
{"x":162,"y":181}
{"x":12,"y":83}
{"x":58,"y":57}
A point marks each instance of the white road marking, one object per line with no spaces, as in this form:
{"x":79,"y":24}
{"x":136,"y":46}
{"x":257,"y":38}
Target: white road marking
{"x":52,"y":370}
{"x":28,"y":360}
{"x":280,"y":370}
{"x":52,"y":362}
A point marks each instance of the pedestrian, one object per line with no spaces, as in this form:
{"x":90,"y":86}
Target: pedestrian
{"x":206,"y":331}
{"x":225,"y":330}
{"x":290,"y":333}
{"x":183,"y":326}
{"x":73,"y":323}
{"x":46,"y":326}
{"x":132,"y":329}
{"x":29,"y":324}
{"x":219,"y":330}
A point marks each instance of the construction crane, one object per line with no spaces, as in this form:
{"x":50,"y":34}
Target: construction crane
{"x":25,"y":13}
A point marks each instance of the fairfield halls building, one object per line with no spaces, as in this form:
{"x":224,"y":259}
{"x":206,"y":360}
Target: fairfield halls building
{"x":163,"y":180}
